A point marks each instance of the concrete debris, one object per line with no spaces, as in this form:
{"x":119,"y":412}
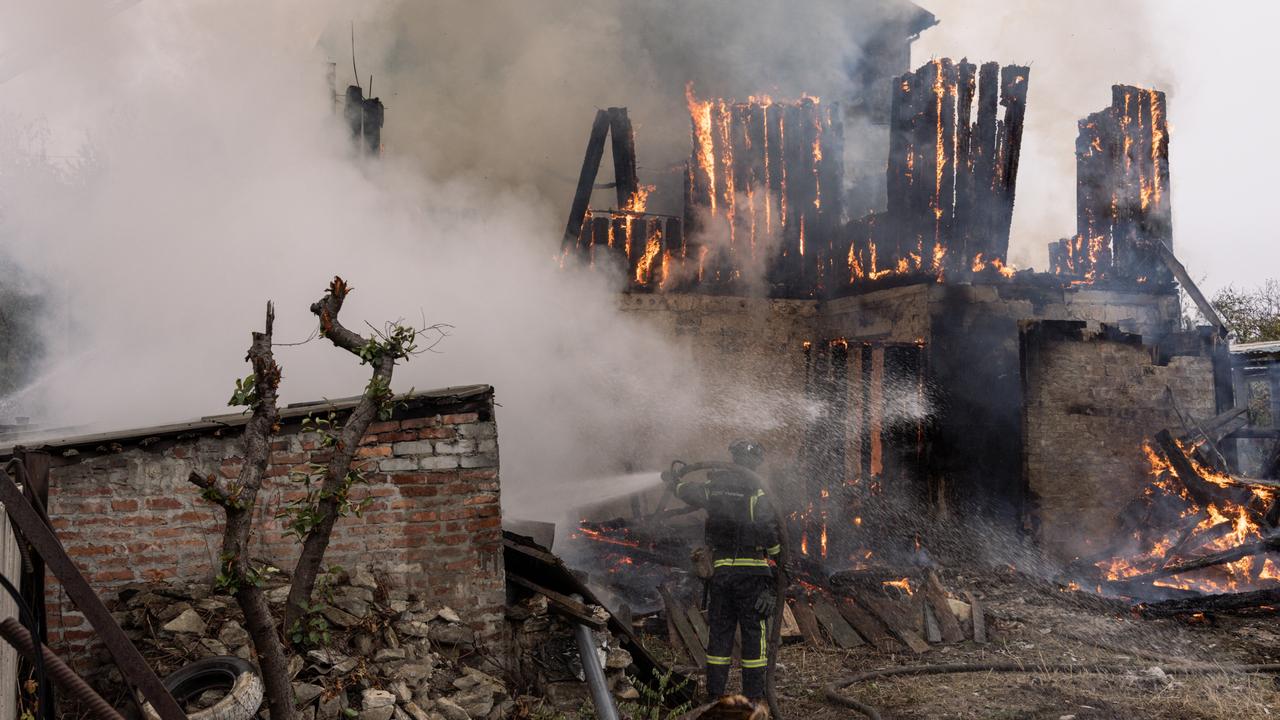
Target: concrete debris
{"x":380,"y":662}
{"x":188,"y":623}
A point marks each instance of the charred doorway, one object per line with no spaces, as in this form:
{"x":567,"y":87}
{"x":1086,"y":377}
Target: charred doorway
{"x":864,"y":445}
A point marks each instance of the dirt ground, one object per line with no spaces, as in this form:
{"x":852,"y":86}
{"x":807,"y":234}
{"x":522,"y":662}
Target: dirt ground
{"x":1034,"y":623}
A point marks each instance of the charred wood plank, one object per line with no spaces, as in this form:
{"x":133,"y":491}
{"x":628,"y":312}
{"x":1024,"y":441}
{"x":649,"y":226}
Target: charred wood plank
{"x":808,"y":622}
{"x":587,"y":177}
{"x":936,"y":597}
{"x":699,"y":624}
{"x":978,"y":619}
{"x":688,"y":636}
{"x":1184,"y":279}
{"x":835,"y":625}
{"x":563,"y":604}
{"x":983,"y":151}
{"x":1217,"y":427}
{"x":1225,"y":602}
{"x":932,"y":633}
{"x":893,"y":617}
{"x":867,"y":626}
{"x":966,"y":80}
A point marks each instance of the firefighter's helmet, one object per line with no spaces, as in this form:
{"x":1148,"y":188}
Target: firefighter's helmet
{"x":747,"y":453}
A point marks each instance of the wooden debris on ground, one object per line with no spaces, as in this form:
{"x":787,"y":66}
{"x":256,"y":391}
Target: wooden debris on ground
{"x":867,"y":626}
{"x":684,"y":629}
{"x":898,"y":621}
{"x":808,"y":622}
{"x":979,"y":621}
{"x":840,"y":631}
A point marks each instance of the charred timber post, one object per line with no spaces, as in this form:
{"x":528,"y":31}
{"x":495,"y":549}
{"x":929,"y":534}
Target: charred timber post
{"x":586,"y":179}
{"x":1014,"y":98}
{"x":967,"y":84}
{"x":625,"y":175}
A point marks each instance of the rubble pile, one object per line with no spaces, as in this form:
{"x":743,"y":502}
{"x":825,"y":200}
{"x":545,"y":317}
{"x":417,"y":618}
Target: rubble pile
{"x":549,"y":663}
{"x":375,"y":653}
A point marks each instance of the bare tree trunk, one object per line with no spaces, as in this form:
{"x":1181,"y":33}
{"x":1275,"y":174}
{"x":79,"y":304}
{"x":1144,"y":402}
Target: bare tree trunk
{"x":237,"y":498}
{"x":376,"y":393}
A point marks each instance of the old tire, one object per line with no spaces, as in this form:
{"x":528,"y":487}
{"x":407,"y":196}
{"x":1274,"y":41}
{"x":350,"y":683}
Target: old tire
{"x":228,"y":673}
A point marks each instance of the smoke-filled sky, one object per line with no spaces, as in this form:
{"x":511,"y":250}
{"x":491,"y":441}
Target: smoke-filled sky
{"x":168,"y":166}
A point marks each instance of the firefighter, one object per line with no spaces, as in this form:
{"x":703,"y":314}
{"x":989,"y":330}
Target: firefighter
{"x":742,"y":533}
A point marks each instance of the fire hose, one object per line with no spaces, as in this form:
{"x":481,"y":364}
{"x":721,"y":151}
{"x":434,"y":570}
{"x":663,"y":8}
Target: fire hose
{"x":779,"y":575}
{"x":834,"y":691}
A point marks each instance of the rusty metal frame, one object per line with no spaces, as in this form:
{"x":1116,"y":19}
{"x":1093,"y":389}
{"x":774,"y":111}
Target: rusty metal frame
{"x":127,"y":658}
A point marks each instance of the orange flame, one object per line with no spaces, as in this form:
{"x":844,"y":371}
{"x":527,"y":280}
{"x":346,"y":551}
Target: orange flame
{"x":901,"y":583}
{"x":700,"y":112}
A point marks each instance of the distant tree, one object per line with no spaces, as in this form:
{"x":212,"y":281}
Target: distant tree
{"x":1252,"y":313}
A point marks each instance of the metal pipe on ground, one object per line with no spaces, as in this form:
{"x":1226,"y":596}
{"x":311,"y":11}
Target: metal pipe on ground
{"x":17,"y":636}
{"x":594,"y":673}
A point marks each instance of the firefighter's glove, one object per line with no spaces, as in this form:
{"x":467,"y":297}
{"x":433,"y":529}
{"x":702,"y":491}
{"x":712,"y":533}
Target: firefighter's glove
{"x":766,"y":602}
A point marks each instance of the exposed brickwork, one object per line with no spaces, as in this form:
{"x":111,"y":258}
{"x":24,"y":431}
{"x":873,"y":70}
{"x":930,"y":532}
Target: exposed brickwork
{"x":126,"y":512}
{"x":1090,"y":401}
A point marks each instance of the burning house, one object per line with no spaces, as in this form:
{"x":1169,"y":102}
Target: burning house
{"x":1070,"y":406}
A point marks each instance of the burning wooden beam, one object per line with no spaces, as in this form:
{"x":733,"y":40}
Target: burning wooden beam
{"x":1224,"y":602}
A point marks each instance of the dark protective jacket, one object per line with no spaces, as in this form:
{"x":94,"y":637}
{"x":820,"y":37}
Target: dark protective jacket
{"x":741,"y":527}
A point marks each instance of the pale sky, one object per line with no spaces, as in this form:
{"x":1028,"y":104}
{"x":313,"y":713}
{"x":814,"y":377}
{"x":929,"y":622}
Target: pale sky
{"x":1215,"y":60}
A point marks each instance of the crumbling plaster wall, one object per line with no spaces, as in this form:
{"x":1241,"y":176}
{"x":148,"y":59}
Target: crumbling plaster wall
{"x":1091,"y":397}
{"x":126,"y":512}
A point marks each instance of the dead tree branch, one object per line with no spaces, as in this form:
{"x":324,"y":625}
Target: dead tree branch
{"x":381,"y":352}
{"x":237,"y":498}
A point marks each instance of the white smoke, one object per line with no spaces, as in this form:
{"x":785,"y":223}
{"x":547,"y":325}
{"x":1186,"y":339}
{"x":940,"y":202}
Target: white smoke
{"x":165,"y":168}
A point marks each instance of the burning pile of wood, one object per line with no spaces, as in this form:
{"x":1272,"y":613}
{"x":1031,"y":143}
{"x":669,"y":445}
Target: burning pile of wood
{"x":1198,"y":536}
{"x":1122,"y":192}
{"x":951,"y":176}
{"x":889,"y":608}
{"x":850,"y":610}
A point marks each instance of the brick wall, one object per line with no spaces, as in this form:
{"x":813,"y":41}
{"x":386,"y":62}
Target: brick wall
{"x":125,"y":511}
{"x":1091,"y":396}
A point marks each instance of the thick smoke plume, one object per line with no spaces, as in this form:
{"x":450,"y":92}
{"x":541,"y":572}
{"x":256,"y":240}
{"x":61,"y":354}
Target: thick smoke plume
{"x":165,"y":168}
